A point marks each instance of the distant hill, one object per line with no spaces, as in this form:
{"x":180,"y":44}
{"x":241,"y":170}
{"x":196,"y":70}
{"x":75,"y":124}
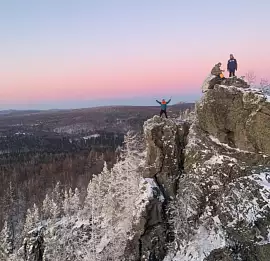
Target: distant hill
{"x":85,"y":120}
{"x":18,"y":112}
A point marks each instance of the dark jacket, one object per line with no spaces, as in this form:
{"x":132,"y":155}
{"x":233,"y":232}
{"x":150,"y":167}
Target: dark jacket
{"x":232,"y":65}
{"x":163,"y":105}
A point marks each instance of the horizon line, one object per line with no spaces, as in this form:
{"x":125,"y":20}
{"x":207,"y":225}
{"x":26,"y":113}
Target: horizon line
{"x":91,"y":107}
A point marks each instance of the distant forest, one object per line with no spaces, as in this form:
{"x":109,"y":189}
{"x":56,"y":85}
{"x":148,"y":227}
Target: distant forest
{"x":34,"y":165}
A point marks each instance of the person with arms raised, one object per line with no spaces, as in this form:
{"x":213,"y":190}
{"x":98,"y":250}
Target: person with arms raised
{"x":163,"y":105}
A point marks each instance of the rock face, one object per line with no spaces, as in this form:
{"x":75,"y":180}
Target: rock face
{"x":33,"y":246}
{"x":198,"y":191}
{"x":222,"y":207}
{"x":209,"y":82}
{"x":214,"y":176}
{"x":240,"y":118}
{"x":165,"y":141}
{"x":212,"y":80}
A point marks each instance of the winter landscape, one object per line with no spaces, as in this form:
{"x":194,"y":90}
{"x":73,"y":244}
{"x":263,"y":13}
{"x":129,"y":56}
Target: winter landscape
{"x":192,"y":187}
{"x":134,"y":130}
{"x":44,"y":151}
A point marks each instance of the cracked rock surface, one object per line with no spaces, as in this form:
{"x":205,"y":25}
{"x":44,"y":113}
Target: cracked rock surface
{"x":214,"y":176}
{"x":237,"y":117}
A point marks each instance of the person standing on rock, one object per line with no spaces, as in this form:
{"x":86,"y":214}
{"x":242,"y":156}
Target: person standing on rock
{"x":163,"y":104}
{"x":232,"y":65}
{"x":217,"y":71}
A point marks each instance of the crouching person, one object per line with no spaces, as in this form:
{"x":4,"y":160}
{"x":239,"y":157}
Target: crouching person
{"x":217,"y":71}
{"x":216,"y":77}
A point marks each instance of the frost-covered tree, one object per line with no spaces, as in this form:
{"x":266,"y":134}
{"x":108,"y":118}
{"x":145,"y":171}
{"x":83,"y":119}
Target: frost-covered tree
{"x":110,"y":199}
{"x":265,"y":86}
{"x":251,"y":77}
{"x":71,"y":203}
{"x":58,"y":199}
{"x":6,"y":241}
{"x":55,"y":210}
{"x":187,"y":115}
{"x":32,"y":219}
{"x":75,"y":201}
{"x":53,"y":204}
{"x":98,"y":229}
{"x":66,"y":203}
{"x":46,"y":208}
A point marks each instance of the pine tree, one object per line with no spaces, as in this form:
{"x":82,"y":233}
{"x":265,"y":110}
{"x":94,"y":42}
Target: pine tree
{"x":75,"y":201}
{"x":6,"y":241}
{"x":55,"y":210}
{"x":36,"y":215}
{"x":58,"y":198}
{"x":66,"y":203}
{"x":46,"y":208}
{"x":32,"y":219}
{"x":110,"y":198}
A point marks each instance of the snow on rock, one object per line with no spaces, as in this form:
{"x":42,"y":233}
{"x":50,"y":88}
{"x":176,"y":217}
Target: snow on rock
{"x":263,"y":179}
{"x":200,"y":246}
{"x":165,"y":140}
{"x":219,"y":159}
{"x":205,"y":85}
{"x":237,"y":117}
{"x":146,"y":188}
{"x":154,"y":190}
{"x":198,"y":192}
{"x":214,"y":139}
{"x":223,"y":198}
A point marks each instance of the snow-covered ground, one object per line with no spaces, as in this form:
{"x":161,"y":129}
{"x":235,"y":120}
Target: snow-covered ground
{"x":93,"y":136}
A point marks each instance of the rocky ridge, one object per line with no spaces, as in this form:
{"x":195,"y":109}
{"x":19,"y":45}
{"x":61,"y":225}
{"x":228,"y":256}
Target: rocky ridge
{"x":198,"y":190}
{"x":214,"y":174}
{"x":221,"y":208}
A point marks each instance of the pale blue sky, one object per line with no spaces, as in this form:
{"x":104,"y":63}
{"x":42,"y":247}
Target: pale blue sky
{"x":71,"y":53}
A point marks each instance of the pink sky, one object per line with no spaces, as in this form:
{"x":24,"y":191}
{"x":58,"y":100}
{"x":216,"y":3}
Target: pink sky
{"x":119,"y":50}
{"x":136,"y":78}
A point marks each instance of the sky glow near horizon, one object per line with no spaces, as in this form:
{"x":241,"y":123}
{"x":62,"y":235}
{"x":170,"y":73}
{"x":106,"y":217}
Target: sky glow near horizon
{"x":64,"y":54}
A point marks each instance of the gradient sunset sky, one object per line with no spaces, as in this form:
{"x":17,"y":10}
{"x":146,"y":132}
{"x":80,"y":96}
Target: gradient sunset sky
{"x":82,"y":53}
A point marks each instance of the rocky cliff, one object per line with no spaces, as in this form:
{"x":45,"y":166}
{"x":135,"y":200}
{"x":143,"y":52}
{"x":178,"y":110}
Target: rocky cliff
{"x":195,"y":190}
{"x":221,"y":208}
{"x":214,"y":174}
{"x":236,"y":116}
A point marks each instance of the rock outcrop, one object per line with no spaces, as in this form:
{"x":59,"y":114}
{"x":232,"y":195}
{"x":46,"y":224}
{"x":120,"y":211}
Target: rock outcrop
{"x":222,"y":206}
{"x":211,"y":80}
{"x":165,"y":141}
{"x":237,"y":117}
{"x":33,"y":245}
{"x":198,"y":191}
{"x":214,"y":178}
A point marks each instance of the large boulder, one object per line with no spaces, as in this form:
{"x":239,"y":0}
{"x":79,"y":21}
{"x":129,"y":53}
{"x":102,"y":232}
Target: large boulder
{"x":238,"y":117}
{"x":212,"y":80}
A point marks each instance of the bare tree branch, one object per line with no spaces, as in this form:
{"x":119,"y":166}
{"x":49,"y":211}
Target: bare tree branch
{"x":251,"y":77}
{"x":264,"y":82}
